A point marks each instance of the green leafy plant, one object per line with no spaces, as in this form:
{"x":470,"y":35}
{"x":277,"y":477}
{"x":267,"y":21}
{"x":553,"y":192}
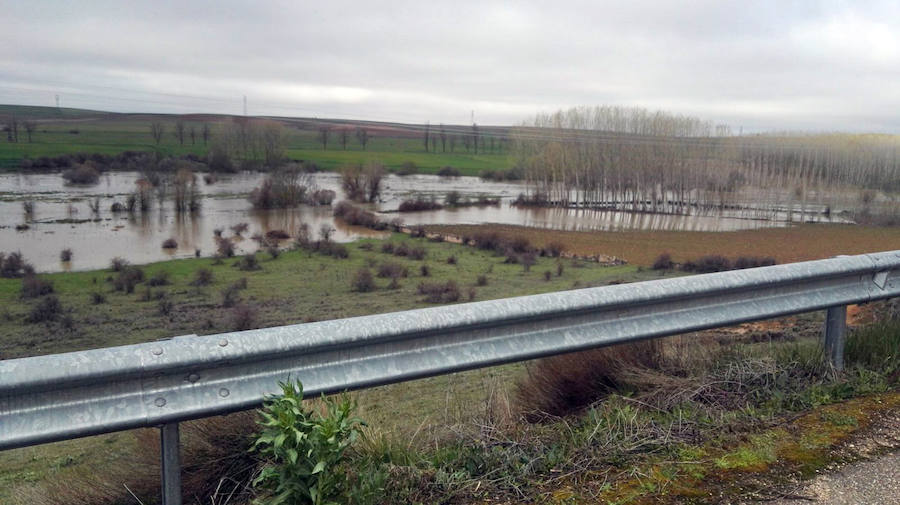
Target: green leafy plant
{"x":304,"y":448}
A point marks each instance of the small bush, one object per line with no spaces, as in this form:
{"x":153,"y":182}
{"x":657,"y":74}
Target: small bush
{"x":224,"y":247}
{"x":663,"y":262}
{"x":471,"y":293}
{"x":392,"y":270}
{"x":160,"y":278}
{"x":387,"y":248}
{"x":547,"y":275}
{"x":243,"y":317}
{"x":322,"y":197}
{"x":231,"y":296}
{"x":97,"y":298}
{"x":363,"y":281}
{"x":439,"y":292}
{"x":128,"y":278}
{"x":553,"y":249}
{"x":482,"y":280}
{"x":407,"y":168}
{"x":274,"y":251}
{"x":743,"y":262}
{"x":248,"y":263}
{"x":240,"y":228}
{"x":708,"y":264}
{"x":14,"y":265}
{"x":48,"y":309}
{"x":425,"y":271}
{"x":448,"y":171}
{"x":451,"y":260}
{"x":81,"y":174}
{"x":28,"y":206}
{"x":65,"y":255}
{"x":165,"y":306}
{"x":419,"y":204}
{"x":417,"y":253}
{"x":559,"y":269}
{"x":277,"y":235}
{"x":118,"y":264}
{"x":33,"y":287}
{"x":417,"y":231}
{"x":202,"y":277}
{"x":170,"y":243}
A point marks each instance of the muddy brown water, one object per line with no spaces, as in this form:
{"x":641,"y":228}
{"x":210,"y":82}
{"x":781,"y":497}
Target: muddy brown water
{"x":62,"y":217}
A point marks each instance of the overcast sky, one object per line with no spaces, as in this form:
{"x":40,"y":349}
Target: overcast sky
{"x":813,"y":65}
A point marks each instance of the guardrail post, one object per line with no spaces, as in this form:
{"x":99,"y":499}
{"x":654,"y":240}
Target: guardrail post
{"x":835,"y":329}
{"x":170,"y":459}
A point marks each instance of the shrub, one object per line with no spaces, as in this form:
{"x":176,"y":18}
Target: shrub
{"x":320,"y":439}
{"x":202,"y":277}
{"x":81,"y":174}
{"x":363,"y":281}
{"x":128,"y":278}
{"x":752,"y":262}
{"x":165,"y":306}
{"x":160,"y":278}
{"x":248,"y":263}
{"x":14,"y":265}
{"x":48,"y":309}
{"x":663,"y":262}
{"x":277,"y":235}
{"x":448,"y":171}
{"x":452,"y":199}
{"x":322,"y":197}
{"x":553,"y":249}
{"x":402,"y":249}
{"x":240,"y":228}
{"x":527,"y":259}
{"x":471,"y":293}
{"x":356,"y":216}
{"x":97,"y":298}
{"x":243,"y":317}
{"x":28,"y":206}
{"x":451,"y":260}
{"x":547,"y":275}
{"x":559,"y":269}
{"x":417,"y":231}
{"x":65,"y":255}
{"x":419,"y":204}
{"x":284,"y":188}
{"x":392,"y":270}
{"x":387,"y":248}
{"x":425,"y":271}
{"x":33,"y":287}
{"x":362,"y":184}
{"x":170,"y":243}
{"x":217,"y":232}
{"x":482,"y":280}
{"x":417,"y":253}
{"x":407,"y":168}
{"x":710,"y":263}
{"x":274,"y":251}
{"x":231,"y":296}
{"x":118,"y":264}
{"x":224,"y":247}
{"x":439,"y":292}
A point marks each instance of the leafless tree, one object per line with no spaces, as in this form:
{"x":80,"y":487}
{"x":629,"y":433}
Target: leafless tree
{"x":179,"y":131}
{"x":193,"y":134}
{"x":427,"y":130}
{"x":30,"y":127}
{"x":14,"y":128}
{"x":323,"y":136}
{"x":362,"y":135}
{"x":343,"y":137}
{"x":204,"y":132}
{"x":273,"y":143}
{"x":475,"y":136}
{"x":443,"y":134}
{"x":452,"y":143}
{"x":156,"y":131}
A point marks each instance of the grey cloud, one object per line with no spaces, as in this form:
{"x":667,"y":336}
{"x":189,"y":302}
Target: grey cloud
{"x":761,"y":65}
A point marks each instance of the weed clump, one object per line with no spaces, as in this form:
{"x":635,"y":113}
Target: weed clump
{"x":202,"y":277}
{"x":65,"y":255}
{"x":34,"y":287}
{"x":118,"y":264}
{"x":224,"y":247}
{"x":663,"y":262}
{"x":48,"y":309}
{"x":439,"y":292}
{"x":243,"y":317}
{"x":248,"y":263}
{"x":160,"y":278}
{"x":363,"y":281}
{"x":13,"y":265}
{"x":392,"y":270}
{"x":129,"y":276}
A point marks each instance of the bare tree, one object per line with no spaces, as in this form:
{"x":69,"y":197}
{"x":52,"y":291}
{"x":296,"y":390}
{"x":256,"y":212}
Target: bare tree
{"x":156,"y":130}
{"x":179,"y":131}
{"x":475,"y":136}
{"x":343,"y":137}
{"x":443,"y":134}
{"x":363,"y":137}
{"x":29,"y":126}
{"x":452,"y":143}
{"x":193,"y":134}
{"x":204,"y":132}
{"x":273,"y":143}
{"x":323,"y":136}
{"x":14,"y":128}
{"x":427,"y":130}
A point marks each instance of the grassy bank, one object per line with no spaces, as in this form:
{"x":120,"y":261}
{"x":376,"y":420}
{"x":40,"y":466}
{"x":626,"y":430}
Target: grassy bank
{"x":787,"y":245}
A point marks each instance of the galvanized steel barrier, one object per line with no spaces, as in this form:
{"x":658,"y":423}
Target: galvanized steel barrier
{"x":63,"y":396}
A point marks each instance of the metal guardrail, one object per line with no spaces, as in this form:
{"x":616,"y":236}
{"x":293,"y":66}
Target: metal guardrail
{"x":63,"y":396}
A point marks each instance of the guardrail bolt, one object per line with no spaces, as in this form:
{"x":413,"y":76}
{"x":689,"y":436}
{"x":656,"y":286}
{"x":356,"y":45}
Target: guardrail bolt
{"x":157,"y":351}
{"x":192,"y":378}
{"x":159,"y":402}
{"x":223,"y":342}
{"x":223,"y":392}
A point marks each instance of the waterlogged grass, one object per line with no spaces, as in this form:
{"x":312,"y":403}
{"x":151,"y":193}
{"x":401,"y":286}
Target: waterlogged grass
{"x":786,"y":245}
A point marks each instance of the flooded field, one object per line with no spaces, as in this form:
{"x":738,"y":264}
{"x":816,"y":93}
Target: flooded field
{"x":62,"y":217}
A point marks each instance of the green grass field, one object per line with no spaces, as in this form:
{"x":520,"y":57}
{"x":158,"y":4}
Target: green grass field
{"x":75,"y":131}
